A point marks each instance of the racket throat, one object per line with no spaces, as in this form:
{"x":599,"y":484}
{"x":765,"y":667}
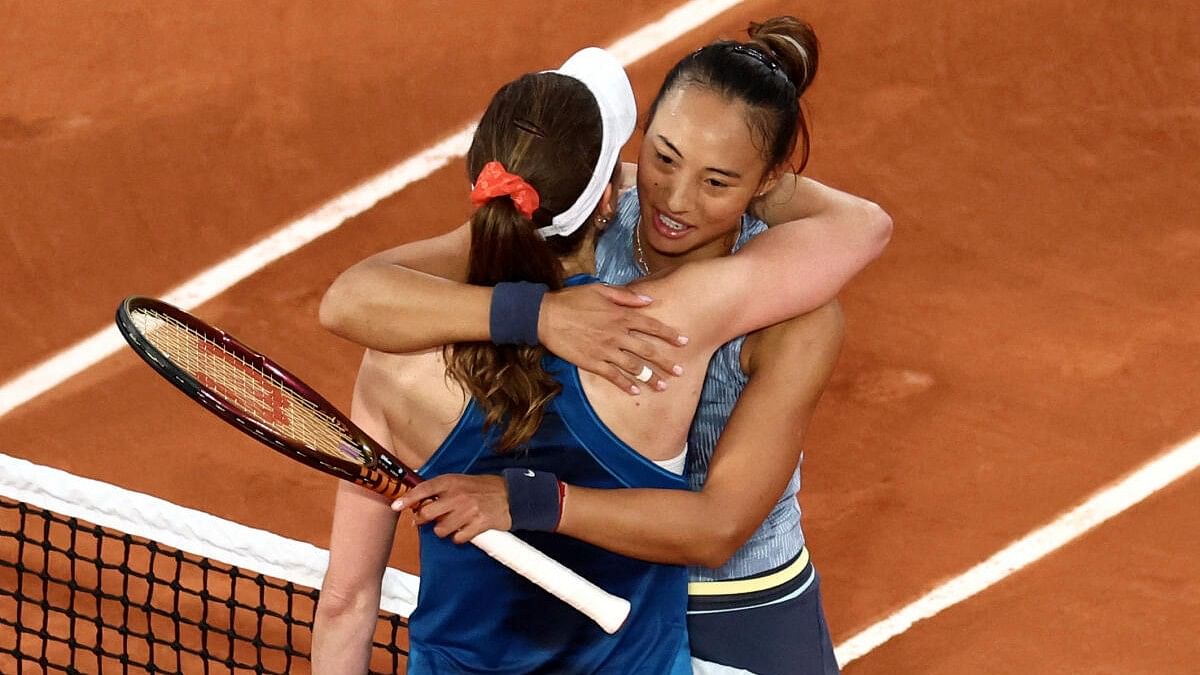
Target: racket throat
{"x":381,"y":483}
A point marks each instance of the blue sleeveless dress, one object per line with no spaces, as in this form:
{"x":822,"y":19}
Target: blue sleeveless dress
{"x":474,"y":615}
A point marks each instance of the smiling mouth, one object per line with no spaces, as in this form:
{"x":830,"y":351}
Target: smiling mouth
{"x":673,"y":225}
{"x":669,"y":228}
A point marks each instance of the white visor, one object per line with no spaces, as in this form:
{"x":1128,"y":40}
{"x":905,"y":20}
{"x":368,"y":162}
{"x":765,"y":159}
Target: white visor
{"x":603,"y":75}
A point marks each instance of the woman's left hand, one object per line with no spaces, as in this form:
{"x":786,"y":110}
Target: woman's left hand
{"x":460,"y":506}
{"x":601,"y":330}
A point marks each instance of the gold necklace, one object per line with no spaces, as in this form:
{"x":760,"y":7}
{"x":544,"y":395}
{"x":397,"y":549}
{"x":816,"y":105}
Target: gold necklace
{"x":638,"y":253}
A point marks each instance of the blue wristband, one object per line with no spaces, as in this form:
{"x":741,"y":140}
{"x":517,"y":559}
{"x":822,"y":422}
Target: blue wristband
{"x":534,"y":499}
{"x":514,"y":314}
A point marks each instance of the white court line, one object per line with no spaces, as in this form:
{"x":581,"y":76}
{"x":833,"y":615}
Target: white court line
{"x":324,"y":219}
{"x":1101,"y":506}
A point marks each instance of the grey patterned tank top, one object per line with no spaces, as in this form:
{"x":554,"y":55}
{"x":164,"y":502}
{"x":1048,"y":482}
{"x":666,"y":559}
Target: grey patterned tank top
{"x":779,"y":538}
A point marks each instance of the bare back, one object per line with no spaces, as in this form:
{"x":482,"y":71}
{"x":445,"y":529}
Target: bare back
{"x":419,"y":405}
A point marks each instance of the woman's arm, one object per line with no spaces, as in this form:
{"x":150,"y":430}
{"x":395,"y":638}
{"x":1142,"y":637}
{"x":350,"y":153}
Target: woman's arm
{"x":363,"y":530}
{"x":361,"y":541}
{"x":822,"y":238}
{"x":753,"y":461}
{"x":797,"y":197}
{"x":413,"y":297}
{"x":405,"y":298}
{"x":786,"y":271}
{"x":751,"y":465}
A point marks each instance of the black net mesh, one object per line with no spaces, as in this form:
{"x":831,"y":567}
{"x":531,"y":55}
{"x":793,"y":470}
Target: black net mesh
{"x":79,"y":598}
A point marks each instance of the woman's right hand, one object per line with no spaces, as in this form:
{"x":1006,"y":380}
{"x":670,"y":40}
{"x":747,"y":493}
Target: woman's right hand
{"x":601,"y":330}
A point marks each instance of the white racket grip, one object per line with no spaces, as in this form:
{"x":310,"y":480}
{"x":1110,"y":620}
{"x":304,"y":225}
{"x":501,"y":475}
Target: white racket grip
{"x":606,"y":609}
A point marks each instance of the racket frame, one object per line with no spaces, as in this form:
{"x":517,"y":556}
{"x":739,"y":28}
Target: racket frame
{"x":381,"y":472}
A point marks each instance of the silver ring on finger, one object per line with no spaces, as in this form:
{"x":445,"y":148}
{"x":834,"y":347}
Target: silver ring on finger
{"x":645,"y":375}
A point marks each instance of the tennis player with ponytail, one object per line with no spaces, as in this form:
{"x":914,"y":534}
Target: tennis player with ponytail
{"x":719,"y":134}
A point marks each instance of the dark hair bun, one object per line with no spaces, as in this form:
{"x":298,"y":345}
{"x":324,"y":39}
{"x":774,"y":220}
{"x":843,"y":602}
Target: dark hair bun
{"x":792,"y":43}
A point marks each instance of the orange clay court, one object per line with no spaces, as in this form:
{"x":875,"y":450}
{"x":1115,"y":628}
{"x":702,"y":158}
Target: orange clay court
{"x":1029,"y":338}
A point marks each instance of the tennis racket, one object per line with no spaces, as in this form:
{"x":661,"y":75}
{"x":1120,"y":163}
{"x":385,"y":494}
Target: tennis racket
{"x":249,"y":391}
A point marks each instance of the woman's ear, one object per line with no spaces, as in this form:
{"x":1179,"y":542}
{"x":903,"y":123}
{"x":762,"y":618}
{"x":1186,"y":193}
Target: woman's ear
{"x":607,"y":207}
{"x":769,"y":182}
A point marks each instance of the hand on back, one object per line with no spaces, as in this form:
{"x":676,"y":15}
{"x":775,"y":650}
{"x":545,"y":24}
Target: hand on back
{"x":602,"y":330}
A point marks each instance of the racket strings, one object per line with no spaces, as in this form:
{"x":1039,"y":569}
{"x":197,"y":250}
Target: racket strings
{"x":248,"y":389}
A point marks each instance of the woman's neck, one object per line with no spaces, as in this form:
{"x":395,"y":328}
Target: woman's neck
{"x":583,"y":261}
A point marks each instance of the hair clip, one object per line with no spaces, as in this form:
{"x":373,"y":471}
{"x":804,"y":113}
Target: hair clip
{"x":529,"y":127}
{"x":757,"y":55}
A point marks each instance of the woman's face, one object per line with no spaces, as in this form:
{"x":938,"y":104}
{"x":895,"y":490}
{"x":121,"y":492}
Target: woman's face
{"x":698,"y":170}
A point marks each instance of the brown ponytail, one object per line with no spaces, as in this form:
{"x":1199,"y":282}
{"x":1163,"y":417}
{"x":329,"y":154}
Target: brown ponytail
{"x":545,"y":128}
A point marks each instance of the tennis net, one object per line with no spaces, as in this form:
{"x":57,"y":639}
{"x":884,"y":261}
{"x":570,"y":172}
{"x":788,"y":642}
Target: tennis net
{"x":98,"y":579}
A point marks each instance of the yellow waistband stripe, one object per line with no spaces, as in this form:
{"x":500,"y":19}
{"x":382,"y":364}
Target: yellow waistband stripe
{"x":735,"y":586}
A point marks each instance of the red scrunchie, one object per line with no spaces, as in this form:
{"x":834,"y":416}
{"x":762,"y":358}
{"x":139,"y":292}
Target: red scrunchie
{"x":495,"y":181}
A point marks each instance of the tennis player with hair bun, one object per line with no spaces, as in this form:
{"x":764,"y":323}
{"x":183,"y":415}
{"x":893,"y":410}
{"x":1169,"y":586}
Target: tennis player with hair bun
{"x":719,"y":135}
